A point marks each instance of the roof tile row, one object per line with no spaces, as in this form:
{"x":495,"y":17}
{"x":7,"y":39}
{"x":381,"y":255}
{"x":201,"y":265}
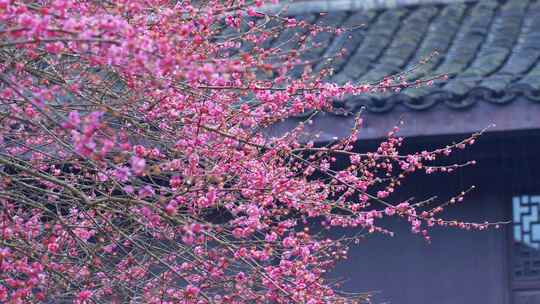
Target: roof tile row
{"x":490,"y":49}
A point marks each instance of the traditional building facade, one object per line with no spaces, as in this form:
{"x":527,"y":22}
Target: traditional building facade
{"x":491,"y":51}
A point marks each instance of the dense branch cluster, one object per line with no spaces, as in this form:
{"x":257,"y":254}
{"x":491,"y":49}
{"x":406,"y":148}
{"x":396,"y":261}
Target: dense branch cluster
{"x":134,"y":165}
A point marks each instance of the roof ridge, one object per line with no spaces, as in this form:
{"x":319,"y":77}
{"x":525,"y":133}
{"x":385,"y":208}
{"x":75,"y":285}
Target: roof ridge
{"x":299,"y":7}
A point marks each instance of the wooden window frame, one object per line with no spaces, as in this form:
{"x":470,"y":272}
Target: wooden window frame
{"x":514,"y":285}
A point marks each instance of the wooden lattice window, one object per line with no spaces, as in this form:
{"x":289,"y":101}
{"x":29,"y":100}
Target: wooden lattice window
{"x":526,"y":249}
{"x":526,"y":225}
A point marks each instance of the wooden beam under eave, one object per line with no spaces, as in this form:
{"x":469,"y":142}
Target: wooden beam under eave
{"x":521,"y":114}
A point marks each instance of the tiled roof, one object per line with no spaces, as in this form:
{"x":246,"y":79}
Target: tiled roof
{"x":490,"y":49}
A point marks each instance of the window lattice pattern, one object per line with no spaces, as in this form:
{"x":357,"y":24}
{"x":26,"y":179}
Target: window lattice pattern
{"x":526,"y":219}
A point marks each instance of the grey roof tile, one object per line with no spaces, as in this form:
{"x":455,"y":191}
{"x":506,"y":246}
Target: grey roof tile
{"x":378,"y":36}
{"x":357,"y":23}
{"x":316,"y":45}
{"x":490,"y":49}
{"x":403,"y":46}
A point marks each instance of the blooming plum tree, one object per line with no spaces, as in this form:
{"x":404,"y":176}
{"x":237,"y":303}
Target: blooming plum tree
{"x":135,"y":167}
